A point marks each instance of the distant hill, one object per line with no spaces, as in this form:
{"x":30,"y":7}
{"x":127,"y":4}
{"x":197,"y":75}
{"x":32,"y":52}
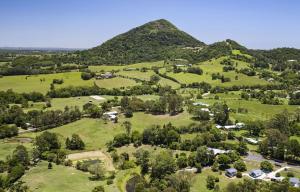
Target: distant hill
{"x":156,"y":40}
{"x":160,"y":40}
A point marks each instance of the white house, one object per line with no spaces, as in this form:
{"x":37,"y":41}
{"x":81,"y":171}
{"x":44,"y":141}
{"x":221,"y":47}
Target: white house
{"x":240,"y":125}
{"x":217,"y":151}
{"x":205,"y":109}
{"x":111,"y":115}
{"x":219,"y":126}
{"x":201,"y":104}
{"x":251,"y":140}
{"x":230,"y":126}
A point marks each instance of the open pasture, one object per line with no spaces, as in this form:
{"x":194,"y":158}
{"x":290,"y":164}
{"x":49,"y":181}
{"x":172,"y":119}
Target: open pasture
{"x":96,"y":132}
{"x":117,"y":82}
{"x":41,"y":83}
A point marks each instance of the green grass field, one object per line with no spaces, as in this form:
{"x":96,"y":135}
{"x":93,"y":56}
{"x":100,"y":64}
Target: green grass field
{"x":32,"y":83}
{"x":61,"y":178}
{"x":256,"y":110}
{"x":214,"y":66}
{"x":116,"y":82}
{"x":137,"y":74}
{"x":199,"y":180}
{"x":238,"y":52}
{"x":96,"y":133}
{"x":7,"y":146}
{"x":99,"y":68}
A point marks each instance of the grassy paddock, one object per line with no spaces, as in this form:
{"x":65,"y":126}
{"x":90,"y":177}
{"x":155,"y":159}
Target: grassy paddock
{"x":96,"y":133}
{"x":116,"y":82}
{"x":32,"y":83}
{"x":61,"y":178}
{"x":98,"y":68}
{"x":7,"y":146}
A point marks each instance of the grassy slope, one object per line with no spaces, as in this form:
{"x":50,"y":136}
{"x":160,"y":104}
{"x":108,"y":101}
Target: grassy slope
{"x":116,"y":82}
{"x":33,"y":83}
{"x":214,"y":66}
{"x":98,"y":68}
{"x":256,"y":110}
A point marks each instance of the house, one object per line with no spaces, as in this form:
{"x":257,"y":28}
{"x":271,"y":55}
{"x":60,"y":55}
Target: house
{"x":256,"y":173}
{"x":251,"y":140}
{"x":227,"y":127}
{"x":201,"y":104}
{"x":230,"y":127}
{"x":28,"y":125}
{"x":219,"y":126}
{"x":231,"y":172}
{"x":106,"y":75}
{"x":111,"y":115}
{"x":217,"y":151}
{"x":240,"y":125}
{"x":205,"y":109}
{"x":294,"y":182}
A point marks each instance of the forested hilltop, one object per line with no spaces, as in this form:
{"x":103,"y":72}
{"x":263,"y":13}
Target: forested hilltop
{"x":152,"y":41}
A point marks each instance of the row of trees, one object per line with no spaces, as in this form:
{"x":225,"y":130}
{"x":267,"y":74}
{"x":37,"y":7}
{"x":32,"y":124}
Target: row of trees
{"x":72,"y":91}
{"x":168,"y":103}
{"x":35,"y":118}
{"x":11,"y":97}
{"x":265,"y":97}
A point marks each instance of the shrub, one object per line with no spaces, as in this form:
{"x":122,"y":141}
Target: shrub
{"x":239,"y":174}
{"x":49,"y":165}
{"x":266,"y":166}
{"x":210,"y":182}
{"x":109,"y":182}
{"x":290,"y":174}
{"x":217,"y":179}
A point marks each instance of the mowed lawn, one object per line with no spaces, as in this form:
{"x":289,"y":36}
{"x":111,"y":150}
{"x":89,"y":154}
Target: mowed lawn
{"x":116,"y":82}
{"x":96,"y":133}
{"x":61,"y":178}
{"x":20,"y":83}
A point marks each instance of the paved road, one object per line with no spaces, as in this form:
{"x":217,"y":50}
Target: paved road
{"x":259,"y":158}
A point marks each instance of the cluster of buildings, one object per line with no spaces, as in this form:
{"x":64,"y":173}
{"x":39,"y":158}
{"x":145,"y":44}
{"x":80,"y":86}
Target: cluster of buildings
{"x":107,"y":75}
{"x":259,"y":174}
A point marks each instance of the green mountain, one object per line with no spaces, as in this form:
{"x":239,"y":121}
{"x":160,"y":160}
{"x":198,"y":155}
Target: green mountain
{"x":156,"y":40}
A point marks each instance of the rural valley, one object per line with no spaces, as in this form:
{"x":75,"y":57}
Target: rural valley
{"x":151,"y":109}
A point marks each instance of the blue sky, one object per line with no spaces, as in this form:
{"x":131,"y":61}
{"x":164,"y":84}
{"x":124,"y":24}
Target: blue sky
{"x":259,"y":24}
